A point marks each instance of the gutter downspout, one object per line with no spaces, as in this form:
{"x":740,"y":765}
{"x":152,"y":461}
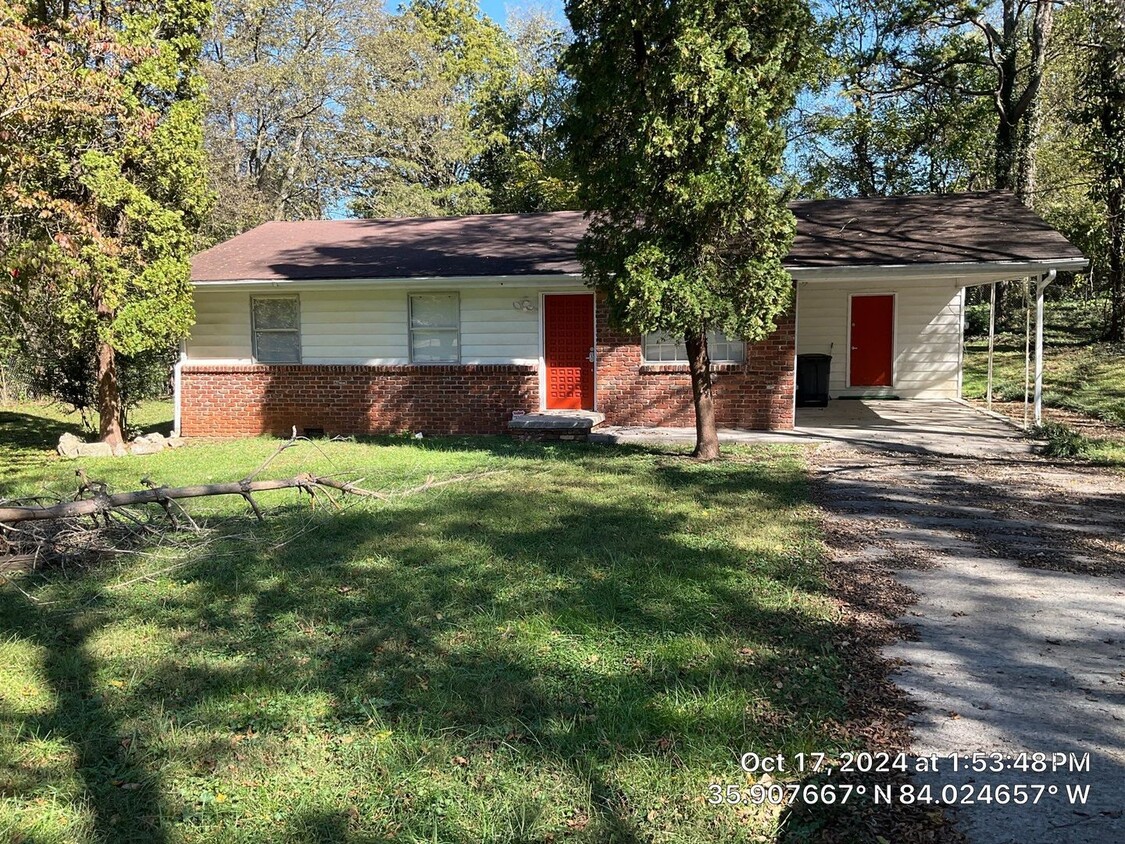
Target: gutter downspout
{"x":1040,"y":289}
{"x":177,"y":373}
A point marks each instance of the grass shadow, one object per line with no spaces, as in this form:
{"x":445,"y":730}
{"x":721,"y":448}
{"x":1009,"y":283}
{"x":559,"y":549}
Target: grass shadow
{"x":574,"y":650}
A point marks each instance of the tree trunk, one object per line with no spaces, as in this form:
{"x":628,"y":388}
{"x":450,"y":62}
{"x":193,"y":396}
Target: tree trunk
{"x":1031,"y":101}
{"x":109,"y":397}
{"x":1006,"y":142}
{"x":699,"y":362}
{"x":1111,"y":118}
{"x":861,"y":149}
{"x":1115,"y":282}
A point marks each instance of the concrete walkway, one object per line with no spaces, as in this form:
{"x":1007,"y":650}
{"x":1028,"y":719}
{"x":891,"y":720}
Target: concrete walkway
{"x":1020,"y":619}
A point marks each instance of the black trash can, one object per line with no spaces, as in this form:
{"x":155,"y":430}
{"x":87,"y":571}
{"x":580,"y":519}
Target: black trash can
{"x":812,"y":380}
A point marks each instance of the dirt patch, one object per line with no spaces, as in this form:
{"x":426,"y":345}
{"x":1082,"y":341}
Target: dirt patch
{"x":1088,"y":426}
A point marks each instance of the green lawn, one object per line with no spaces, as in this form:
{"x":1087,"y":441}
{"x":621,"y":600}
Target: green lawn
{"x":1081,"y":376}
{"x":570,"y":650}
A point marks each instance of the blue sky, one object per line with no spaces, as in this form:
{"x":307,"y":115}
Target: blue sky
{"x":498,"y":9}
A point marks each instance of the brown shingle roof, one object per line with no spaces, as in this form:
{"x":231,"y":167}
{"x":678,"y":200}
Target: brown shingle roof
{"x":981,"y":227}
{"x":955,"y":228}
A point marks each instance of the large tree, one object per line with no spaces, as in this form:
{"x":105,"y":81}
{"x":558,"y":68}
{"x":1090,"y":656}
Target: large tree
{"x":409,"y":141}
{"x":412,"y":121}
{"x":1102,"y":104}
{"x":525,"y":165}
{"x":869,"y":129}
{"x":277,"y":73}
{"x":103,"y":172}
{"x":676,"y":138}
{"x":996,"y":51}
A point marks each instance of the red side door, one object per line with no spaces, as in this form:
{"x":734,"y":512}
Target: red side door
{"x":873,"y":343}
{"x":568,"y":351}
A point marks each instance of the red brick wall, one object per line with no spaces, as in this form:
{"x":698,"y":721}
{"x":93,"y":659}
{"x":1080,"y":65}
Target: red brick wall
{"x":228,"y":401}
{"x":757,"y":394}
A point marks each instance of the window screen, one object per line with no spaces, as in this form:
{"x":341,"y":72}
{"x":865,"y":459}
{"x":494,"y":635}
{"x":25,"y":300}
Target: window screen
{"x":277,"y":329}
{"x":661,"y":349}
{"x":435,"y":328}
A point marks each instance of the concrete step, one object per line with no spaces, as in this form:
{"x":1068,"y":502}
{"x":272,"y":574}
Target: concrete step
{"x":555,"y":424}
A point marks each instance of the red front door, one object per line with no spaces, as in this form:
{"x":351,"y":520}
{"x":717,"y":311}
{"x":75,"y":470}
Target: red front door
{"x":568,"y":349}
{"x":873,"y":344}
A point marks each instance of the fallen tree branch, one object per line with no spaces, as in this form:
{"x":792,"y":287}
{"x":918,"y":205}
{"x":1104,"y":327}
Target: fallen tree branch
{"x":430,"y":483}
{"x":103,"y":503}
{"x":43,"y":530}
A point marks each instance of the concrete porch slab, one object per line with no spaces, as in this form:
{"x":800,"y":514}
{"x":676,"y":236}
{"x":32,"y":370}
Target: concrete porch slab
{"x":937,"y":428}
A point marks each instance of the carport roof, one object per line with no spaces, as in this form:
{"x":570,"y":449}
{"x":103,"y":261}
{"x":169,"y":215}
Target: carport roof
{"x":959,"y":228}
{"x":966,"y":228}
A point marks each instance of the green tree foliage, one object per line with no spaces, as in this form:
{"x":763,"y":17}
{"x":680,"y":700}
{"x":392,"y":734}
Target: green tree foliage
{"x":330,"y":107}
{"x":474,"y":53}
{"x":927,"y":95}
{"x":406,"y":119}
{"x":1064,"y":153}
{"x":869,"y":129}
{"x":996,"y":51}
{"x":1101,"y":106}
{"x":676,"y":137}
{"x":525,"y":165}
{"x":277,"y":71}
{"x":103,"y":178}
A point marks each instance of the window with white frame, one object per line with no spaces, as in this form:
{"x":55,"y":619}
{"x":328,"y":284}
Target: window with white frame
{"x":435,"y":328}
{"x":276,"y":329}
{"x":661,"y":349}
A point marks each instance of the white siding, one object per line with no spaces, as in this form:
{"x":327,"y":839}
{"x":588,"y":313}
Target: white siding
{"x":368,"y":325}
{"x":927,"y":334}
{"x":493,"y":331}
{"x":222,"y":328}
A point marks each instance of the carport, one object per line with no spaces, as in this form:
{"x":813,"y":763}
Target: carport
{"x":881,"y":287}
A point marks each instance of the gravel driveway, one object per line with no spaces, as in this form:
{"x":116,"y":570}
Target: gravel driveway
{"x":1018,"y":638}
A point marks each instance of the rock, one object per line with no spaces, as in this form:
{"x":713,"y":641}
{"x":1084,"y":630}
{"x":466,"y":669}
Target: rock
{"x":146,"y":447}
{"x":175,"y":442}
{"x":94,"y":450}
{"x":154,"y":437}
{"x":69,"y":445}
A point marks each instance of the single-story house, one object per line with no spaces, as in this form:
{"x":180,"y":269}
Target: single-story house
{"x":454,"y":325}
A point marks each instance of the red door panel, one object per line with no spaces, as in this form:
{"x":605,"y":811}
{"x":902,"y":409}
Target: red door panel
{"x":873,"y":345}
{"x":568,"y":340}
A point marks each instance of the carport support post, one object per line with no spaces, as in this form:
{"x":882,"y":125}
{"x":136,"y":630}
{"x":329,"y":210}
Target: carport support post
{"x":1040,"y":291}
{"x":991,"y":342}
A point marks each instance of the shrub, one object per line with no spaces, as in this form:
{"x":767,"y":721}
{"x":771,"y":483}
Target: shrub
{"x":976,"y":320}
{"x":1062,"y":441}
{"x":1007,"y":390}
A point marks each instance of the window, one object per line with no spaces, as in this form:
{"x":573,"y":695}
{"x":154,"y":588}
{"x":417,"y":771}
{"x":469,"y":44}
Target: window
{"x":660,"y":349}
{"x":435,"y":328}
{"x":276,"y":326}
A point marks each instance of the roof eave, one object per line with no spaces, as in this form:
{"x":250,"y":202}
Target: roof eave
{"x":965,"y":273}
{"x":400,"y":281}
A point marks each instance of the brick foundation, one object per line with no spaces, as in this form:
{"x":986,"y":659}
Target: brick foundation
{"x":756,"y":395}
{"x":231,"y":401}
